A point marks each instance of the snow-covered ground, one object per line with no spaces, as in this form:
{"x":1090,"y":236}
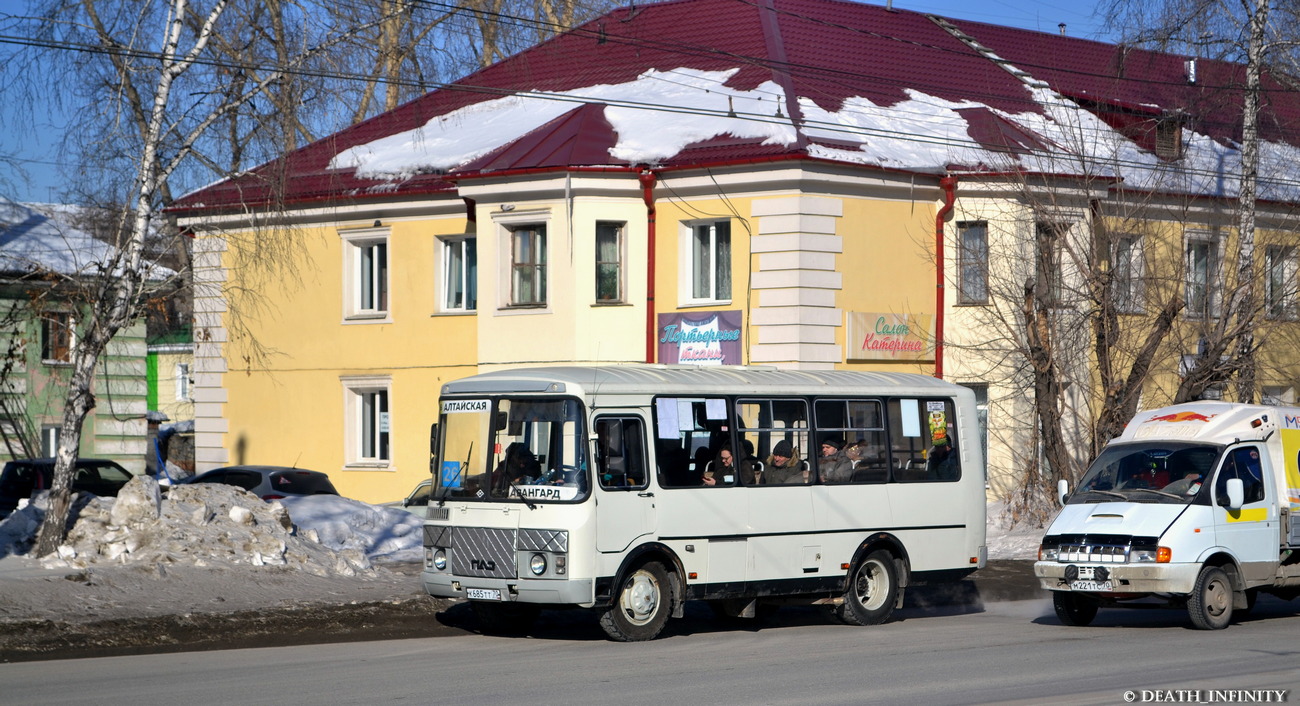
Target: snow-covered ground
{"x":215,"y":548}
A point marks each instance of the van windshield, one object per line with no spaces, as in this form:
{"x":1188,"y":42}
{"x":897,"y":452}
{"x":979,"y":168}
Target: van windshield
{"x":1147,"y":472}
{"x":512,"y":449}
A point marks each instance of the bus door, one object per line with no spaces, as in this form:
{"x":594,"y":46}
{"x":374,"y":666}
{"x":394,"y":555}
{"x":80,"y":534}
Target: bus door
{"x":625,"y":505}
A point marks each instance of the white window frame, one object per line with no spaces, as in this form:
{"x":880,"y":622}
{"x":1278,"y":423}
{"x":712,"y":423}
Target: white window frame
{"x":967,"y":264}
{"x":183,"y":382}
{"x":62,"y":319}
{"x":687,"y":258}
{"x":361,"y":303}
{"x":620,"y":263}
{"x":507,"y":222}
{"x":1128,"y":286}
{"x":357,"y":392}
{"x":464,"y":274}
{"x":1214,"y":275}
{"x":1280,"y":292}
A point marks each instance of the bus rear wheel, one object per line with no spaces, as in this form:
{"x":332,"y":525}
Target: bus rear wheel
{"x":872,"y":591}
{"x":642,"y":606}
{"x":1210,"y":605}
{"x":1073,"y":609}
{"x":506,"y":618}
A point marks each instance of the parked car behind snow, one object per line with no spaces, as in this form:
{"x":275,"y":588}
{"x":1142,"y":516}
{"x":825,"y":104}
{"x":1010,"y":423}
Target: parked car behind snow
{"x":22,"y":478}
{"x":269,"y":482}
{"x":417,"y":503}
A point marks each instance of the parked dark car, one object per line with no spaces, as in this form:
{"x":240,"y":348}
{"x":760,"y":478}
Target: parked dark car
{"x":270,"y":482}
{"x":23,"y":478}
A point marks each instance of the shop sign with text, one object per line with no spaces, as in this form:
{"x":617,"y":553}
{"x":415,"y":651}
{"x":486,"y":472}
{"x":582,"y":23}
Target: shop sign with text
{"x":877,"y":336}
{"x":700,"y":338}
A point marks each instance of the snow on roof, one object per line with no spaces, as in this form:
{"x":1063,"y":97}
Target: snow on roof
{"x":32,"y":240}
{"x":834,"y":80}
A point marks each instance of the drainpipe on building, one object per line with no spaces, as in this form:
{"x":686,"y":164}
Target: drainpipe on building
{"x":949,"y":186}
{"x":647,"y":179}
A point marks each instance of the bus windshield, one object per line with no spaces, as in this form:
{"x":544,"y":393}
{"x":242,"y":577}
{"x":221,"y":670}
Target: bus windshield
{"x":512,"y":449}
{"x":1147,"y":472}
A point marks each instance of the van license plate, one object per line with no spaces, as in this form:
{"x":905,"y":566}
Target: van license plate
{"x":1091,"y":586}
{"x":483,"y":594}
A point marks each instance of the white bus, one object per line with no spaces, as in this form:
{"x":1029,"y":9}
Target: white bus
{"x":631,"y":489}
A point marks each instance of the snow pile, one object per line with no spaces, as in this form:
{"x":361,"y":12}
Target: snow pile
{"x":218,"y":525}
{"x":1006,"y":540}
{"x":344,"y":524}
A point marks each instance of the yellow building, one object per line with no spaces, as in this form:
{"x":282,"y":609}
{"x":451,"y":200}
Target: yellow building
{"x":623,"y":193}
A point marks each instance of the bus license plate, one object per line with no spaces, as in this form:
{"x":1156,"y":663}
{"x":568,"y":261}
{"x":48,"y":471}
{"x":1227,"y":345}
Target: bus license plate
{"x":1091,"y":586}
{"x":483,"y":594}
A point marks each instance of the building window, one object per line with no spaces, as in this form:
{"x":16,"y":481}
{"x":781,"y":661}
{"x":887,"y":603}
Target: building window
{"x":367,"y":424}
{"x":1277,"y":394}
{"x":973,"y":263}
{"x":460,"y":274}
{"x":366,"y":263}
{"x":528,"y":265}
{"x":182,"y":382}
{"x":1126,"y":275}
{"x":57,"y":337}
{"x":1169,"y":138}
{"x":1280,"y":281}
{"x":711,"y":261}
{"x":50,"y":435}
{"x":609,"y":263}
{"x":1202,"y":277}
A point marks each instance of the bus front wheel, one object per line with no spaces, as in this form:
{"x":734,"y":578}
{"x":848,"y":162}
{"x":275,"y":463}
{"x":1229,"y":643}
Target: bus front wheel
{"x":642,"y":606}
{"x":872,"y":591}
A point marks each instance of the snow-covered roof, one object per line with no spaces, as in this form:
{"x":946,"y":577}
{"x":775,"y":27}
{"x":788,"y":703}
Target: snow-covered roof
{"x":658,"y":85}
{"x":32,"y":240}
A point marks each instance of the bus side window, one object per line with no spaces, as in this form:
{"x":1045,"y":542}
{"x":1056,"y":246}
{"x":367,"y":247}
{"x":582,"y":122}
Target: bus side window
{"x":923,"y":440}
{"x":620,"y":453}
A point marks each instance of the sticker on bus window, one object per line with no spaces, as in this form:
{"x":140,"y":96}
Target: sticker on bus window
{"x":451,"y":475}
{"x":666,"y":412}
{"x":938,"y":427}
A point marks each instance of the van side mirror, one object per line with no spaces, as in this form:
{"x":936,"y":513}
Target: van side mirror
{"x":1062,"y":490}
{"x":1236,"y":494}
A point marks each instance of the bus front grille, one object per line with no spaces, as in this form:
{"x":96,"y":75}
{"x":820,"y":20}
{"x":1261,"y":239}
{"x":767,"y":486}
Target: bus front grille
{"x":483,"y":551}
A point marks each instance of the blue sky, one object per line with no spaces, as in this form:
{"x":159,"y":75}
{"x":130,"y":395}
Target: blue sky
{"x":36,"y":144}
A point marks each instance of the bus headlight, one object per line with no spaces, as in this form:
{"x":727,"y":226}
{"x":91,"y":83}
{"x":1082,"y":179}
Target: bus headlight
{"x":537,"y":564}
{"x":440,"y":559}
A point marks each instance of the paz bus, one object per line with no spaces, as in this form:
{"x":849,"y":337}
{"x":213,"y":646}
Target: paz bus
{"x":631,"y":489}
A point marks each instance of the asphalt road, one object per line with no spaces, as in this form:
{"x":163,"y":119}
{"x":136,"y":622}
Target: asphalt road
{"x":1012,"y":652}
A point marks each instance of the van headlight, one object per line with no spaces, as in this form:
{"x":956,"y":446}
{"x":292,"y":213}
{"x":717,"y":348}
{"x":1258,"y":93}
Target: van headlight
{"x":440,"y":559}
{"x":537,"y":564}
{"x":1048,"y":552}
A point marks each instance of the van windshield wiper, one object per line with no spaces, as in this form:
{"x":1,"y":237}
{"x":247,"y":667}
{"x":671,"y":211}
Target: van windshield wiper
{"x":1161,"y":492}
{"x":1111,"y":493}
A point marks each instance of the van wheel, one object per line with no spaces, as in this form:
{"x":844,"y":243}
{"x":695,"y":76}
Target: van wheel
{"x":506,"y":618}
{"x":872,"y":591}
{"x":1210,"y":605}
{"x":1074,"y":610}
{"x":642,"y":606}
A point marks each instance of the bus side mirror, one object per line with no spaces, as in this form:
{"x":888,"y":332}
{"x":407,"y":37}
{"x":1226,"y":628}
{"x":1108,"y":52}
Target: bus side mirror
{"x":1062,"y":490}
{"x":1236,"y":494}
{"x":433,"y":448}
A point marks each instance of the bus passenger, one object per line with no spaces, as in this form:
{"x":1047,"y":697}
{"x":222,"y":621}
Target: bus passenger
{"x":723,"y":469}
{"x":783,"y":466}
{"x":834,"y":466}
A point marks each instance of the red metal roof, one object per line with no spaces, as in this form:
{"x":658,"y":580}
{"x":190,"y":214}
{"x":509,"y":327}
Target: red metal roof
{"x":822,"y":50}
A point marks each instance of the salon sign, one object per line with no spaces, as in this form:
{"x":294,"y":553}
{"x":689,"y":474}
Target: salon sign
{"x":877,"y":336}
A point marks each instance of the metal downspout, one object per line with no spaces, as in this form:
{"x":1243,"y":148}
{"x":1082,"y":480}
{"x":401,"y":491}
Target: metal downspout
{"x":648,"y":179}
{"x":949,"y":186}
